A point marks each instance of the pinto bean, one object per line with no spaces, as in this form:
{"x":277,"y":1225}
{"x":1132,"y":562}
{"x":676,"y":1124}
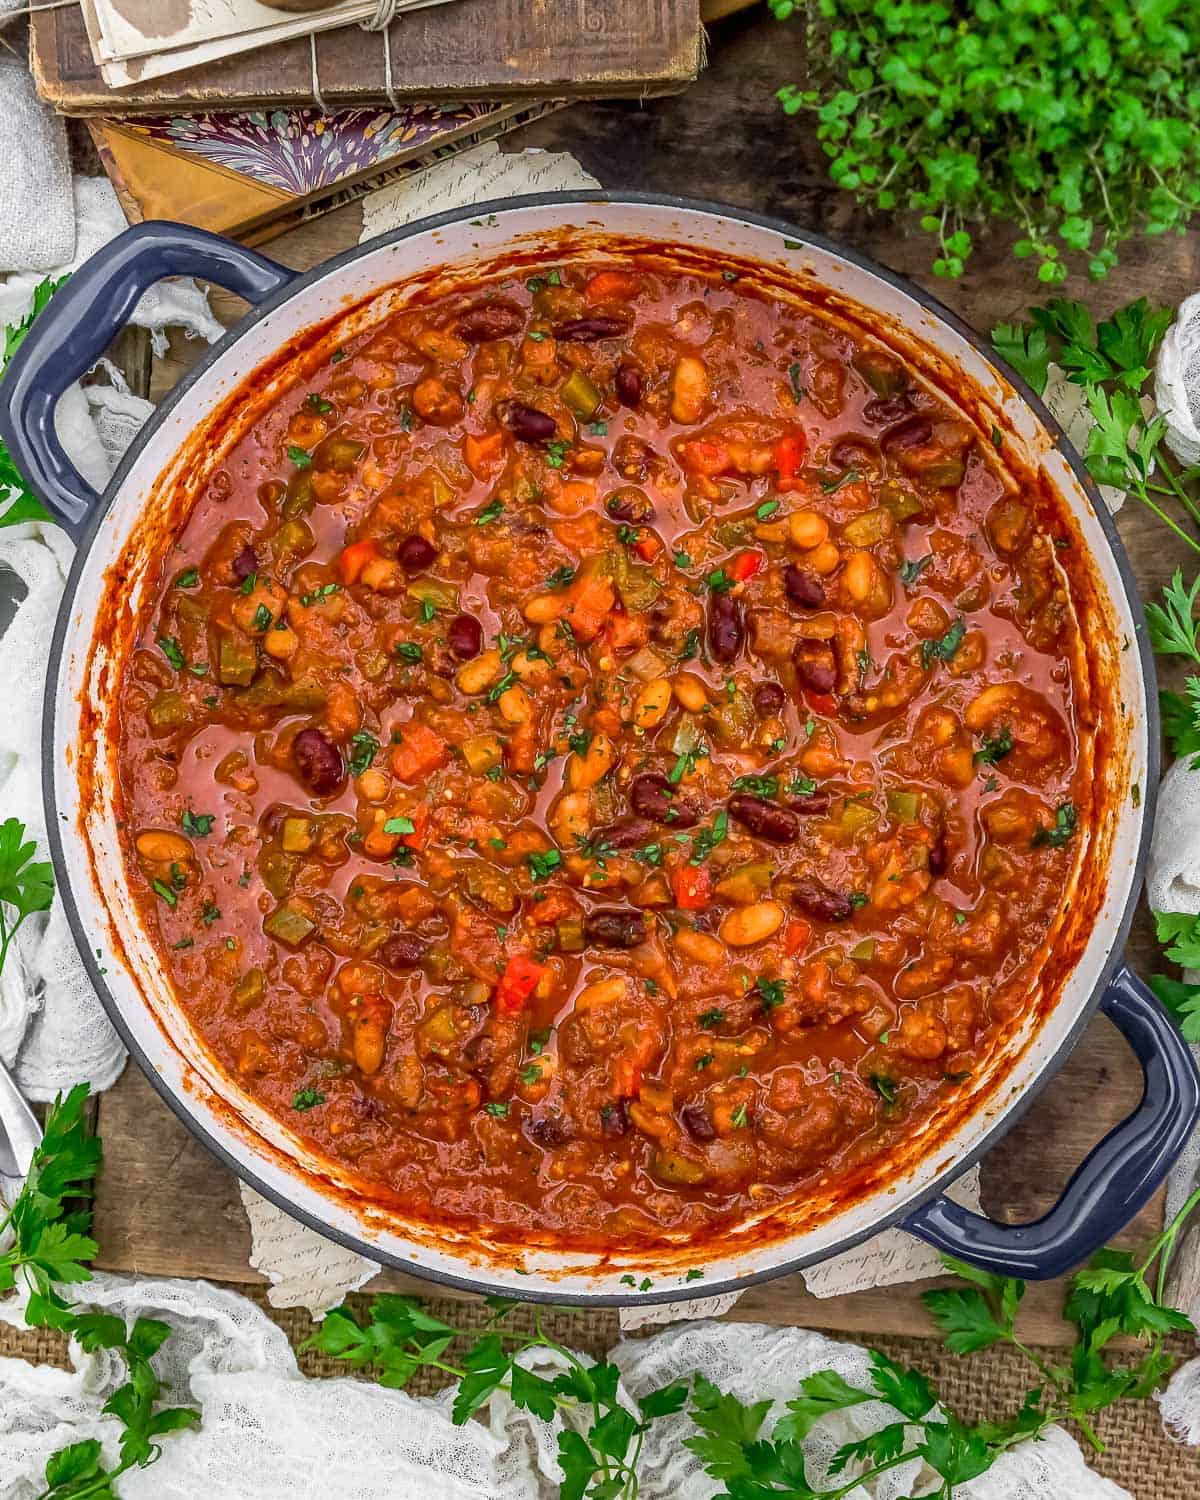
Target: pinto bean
{"x":815,"y":666}
{"x":464,"y":636}
{"x":725,"y":628}
{"x":614,"y":927}
{"x":815,"y":899}
{"x":245,"y":563}
{"x":698,"y":1122}
{"x":652,"y":796}
{"x":490,"y":320}
{"x":803,"y":588}
{"x":529,"y":424}
{"x":914,"y":433}
{"x":765,"y":820}
{"x":586,"y":330}
{"x":403,"y":950}
{"x":415,"y":554}
{"x":769,"y":699}
{"x":628,"y":385}
{"x":885,"y":411}
{"x":630,"y":504}
{"x":319,"y":762}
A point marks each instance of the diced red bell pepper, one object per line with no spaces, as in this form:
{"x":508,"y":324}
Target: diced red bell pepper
{"x":789,"y":455}
{"x":745,"y":565}
{"x":520,"y":978}
{"x":612,"y":286}
{"x":647,"y":546}
{"x":692,"y":885}
{"x":824,"y":704}
{"x":703,"y":457}
{"x":795,"y":936}
{"x":354,"y":558}
{"x":627,"y":1077}
{"x":417,"y":839}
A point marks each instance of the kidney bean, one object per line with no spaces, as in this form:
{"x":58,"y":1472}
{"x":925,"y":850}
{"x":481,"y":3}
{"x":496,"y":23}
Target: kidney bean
{"x":815,"y":899}
{"x":764,"y":819}
{"x":489,"y":320}
{"x":585,"y":330}
{"x":883,"y":411}
{"x":529,"y":424}
{"x":319,"y":762}
{"x":803,"y":588}
{"x":628,"y":833}
{"x":769,"y":699}
{"x":854,"y":453}
{"x":464,"y":636}
{"x":698,"y":1122}
{"x":914,"y":433}
{"x":725,"y":628}
{"x":614,"y":1118}
{"x":632,"y":457}
{"x":403,"y":950}
{"x":630,"y":504}
{"x":815,"y":666}
{"x":548,"y":1131}
{"x":614,"y":927}
{"x":245,"y":563}
{"x":628,"y":384}
{"x":415,"y":554}
{"x":937,"y":855}
{"x":652,"y":796}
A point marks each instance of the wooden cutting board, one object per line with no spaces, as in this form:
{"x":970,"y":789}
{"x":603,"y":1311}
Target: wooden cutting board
{"x":165,"y":1206}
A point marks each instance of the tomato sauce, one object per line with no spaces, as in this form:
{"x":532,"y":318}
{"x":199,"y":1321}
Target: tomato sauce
{"x":604,"y":756}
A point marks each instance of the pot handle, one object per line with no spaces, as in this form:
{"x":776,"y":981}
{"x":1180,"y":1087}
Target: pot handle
{"x":78,"y":324}
{"x":1114,"y":1181}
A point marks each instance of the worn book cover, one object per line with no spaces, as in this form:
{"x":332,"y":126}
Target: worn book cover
{"x":254,"y":174}
{"x":472,"y":49}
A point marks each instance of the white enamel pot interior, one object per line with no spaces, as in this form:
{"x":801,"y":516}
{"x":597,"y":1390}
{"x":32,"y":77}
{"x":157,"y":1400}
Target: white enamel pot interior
{"x":122,"y":959}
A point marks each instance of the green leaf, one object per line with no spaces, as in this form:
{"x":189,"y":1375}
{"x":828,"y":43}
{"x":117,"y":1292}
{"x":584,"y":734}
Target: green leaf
{"x":665,"y":1400}
{"x":956,"y":1452}
{"x":532,"y":1393}
{"x":1183,"y":1001}
{"x":965,"y":1319}
{"x":1182,"y":931}
{"x":1172,"y":626}
{"x":1181,"y":720}
{"x":75,"y":1462}
{"x":878,"y":1447}
{"x":1026,"y":350}
{"x":905,"y":1389}
{"x":578,"y":1465}
{"x":727,"y":1427}
{"x":822,"y":1393}
{"x":487,"y":1366}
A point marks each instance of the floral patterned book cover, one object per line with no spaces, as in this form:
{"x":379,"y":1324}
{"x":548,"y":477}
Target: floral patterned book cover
{"x":255,"y":173}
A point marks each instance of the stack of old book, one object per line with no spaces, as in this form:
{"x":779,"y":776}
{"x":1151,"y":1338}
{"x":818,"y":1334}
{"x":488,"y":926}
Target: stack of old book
{"x":246,"y":118}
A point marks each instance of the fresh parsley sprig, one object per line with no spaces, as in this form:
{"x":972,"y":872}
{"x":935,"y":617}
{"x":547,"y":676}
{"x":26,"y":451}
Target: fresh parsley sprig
{"x":23,"y":503}
{"x":398,"y":1337}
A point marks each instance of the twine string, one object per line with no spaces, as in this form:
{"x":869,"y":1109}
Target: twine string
{"x":380,"y":20}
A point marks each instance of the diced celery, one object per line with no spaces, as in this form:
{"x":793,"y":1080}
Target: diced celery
{"x":433,"y":591}
{"x":580,"y":394}
{"x":237,"y":659}
{"x":569,"y":931}
{"x":646,"y":665}
{"x":864,"y":952}
{"x":884,"y":374}
{"x":855,"y":817}
{"x":249,"y":989}
{"x":481,"y":752}
{"x":299,"y":498}
{"x":338,"y":453}
{"x":289,"y":925}
{"x":278,"y":871}
{"x":297,"y":836}
{"x":166,"y":711}
{"x":902,"y":502}
{"x":905,"y":807}
{"x":871,"y":527}
{"x":745,"y":883}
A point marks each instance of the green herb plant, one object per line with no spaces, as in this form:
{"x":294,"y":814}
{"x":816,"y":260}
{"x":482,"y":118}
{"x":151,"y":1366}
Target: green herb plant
{"x":1072,"y":121}
{"x":22,"y":504}
{"x":48,"y":1244}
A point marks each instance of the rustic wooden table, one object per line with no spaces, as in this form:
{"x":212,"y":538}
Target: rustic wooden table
{"x":166,"y":1206}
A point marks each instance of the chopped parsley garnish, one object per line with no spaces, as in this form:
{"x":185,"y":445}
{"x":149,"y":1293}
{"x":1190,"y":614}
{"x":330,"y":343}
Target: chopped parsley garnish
{"x":682,"y":559}
{"x":317,"y":403}
{"x":719,"y":581}
{"x":490,"y":512}
{"x":543,"y":864}
{"x":703,"y":1062}
{"x":308,"y":600}
{"x":708,"y":838}
{"x":885,"y":1087}
{"x":165,"y":891}
{"x":691,"y":645}
{"x":738,"y":1117}
{"x":496,"y":1108}
{"x":556,"y":453}
{"x":561,"y":577}
{"x":171,"y":649}
{"x":770,"y":991}
{"x":532,"y":1074}
{"x":539,"y":1039}
{"x":766,"y":510}
{"x":196,"y":825}
{"x":399,"y":825}
{"x":912,"y":568}
{"x":248,"y":583}
{"x":797,"y":388}
{"x":188,"y":579}
{"x":1066,"y":825}
{"x":994,"y":749}
{"x":710,"y":1018}
{"x":801,"y":786}
{"x":308,"y":1099}
{"x":409,"y":651}
{"x":835,"y":482}
{"x":945,"y":648}
{"x":210,"y":914}
{"x":299,"y":457}
{"x":858,"y":899}
{"x":757,"y":786}
{"x":366,"y":747}
{"x":262,"y":618}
